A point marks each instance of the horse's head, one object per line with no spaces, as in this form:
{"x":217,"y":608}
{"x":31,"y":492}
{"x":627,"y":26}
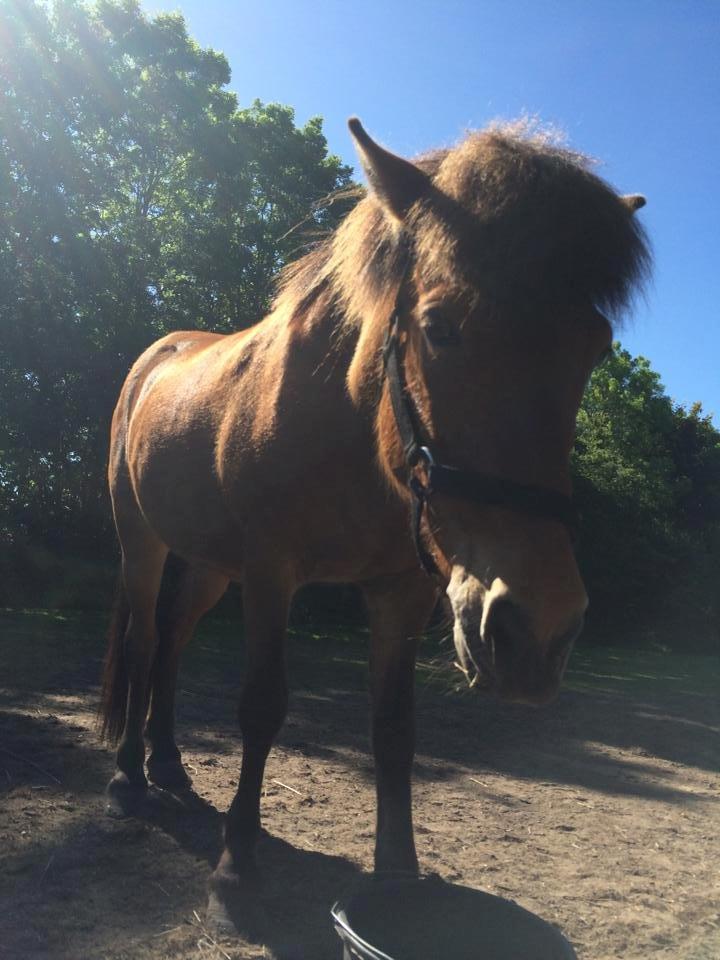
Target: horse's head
{"x":501,"y":259}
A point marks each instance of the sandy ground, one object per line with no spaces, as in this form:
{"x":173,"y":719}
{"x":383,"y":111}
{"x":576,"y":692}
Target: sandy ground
{"x":599,"y":813}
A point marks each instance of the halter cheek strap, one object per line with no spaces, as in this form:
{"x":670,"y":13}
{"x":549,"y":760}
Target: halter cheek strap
{"x":481,"y":488}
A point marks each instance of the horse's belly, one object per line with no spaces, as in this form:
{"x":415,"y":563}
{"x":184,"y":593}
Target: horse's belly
{"x":196,"y":527}
{"x":331,"y":544}
{"x":339,"y":533}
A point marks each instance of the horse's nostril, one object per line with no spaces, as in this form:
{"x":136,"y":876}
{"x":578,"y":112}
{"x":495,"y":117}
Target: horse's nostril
{"x":506,"y":632}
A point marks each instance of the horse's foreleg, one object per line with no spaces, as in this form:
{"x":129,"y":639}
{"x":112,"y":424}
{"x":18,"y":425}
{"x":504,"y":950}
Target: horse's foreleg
{"x":262,"y":709}
{"x":398,"y":609}
{"x":196,"y":591}
{"x":142,"y":575}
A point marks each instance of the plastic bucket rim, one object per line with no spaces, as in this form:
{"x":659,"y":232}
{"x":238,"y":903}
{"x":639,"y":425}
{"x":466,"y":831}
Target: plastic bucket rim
{"x":346,"y":933}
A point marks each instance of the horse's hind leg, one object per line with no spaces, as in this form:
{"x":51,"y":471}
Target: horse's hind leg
{"x":398,"y":608}
{"x":188,"y":592}
{"x":142,"y":567}
{"x":263,"y":704}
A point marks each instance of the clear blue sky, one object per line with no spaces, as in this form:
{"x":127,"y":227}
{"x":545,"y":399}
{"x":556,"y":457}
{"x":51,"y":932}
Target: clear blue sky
{"x":636,"y":83}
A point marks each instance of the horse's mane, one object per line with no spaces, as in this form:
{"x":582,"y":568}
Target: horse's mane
{"x":512,"y":213}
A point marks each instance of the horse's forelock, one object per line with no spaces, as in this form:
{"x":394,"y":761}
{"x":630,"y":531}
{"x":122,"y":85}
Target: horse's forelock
{"x":519,"y":215}
{"x":514,"y":213}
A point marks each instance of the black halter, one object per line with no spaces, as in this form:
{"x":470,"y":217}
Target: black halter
{"x":482,"y":488}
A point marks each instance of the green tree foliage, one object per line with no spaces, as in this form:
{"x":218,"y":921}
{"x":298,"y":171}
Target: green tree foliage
{"x":647,"y":476}
{"x":136,"y":198}
{"x":622,"y":431}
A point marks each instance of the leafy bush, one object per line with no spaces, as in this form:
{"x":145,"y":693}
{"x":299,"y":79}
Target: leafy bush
{"x":647,"y":477}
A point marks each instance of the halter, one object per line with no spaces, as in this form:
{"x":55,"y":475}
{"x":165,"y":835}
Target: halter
{"x":482,"y":488}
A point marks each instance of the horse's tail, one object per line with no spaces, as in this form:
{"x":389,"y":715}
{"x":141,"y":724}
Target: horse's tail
{"x":113,"y":701}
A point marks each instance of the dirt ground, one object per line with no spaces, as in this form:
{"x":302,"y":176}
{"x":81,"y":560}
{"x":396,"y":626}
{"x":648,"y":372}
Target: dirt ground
{"x":599,"y":813}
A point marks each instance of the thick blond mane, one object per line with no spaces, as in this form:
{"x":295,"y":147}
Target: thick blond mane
{"x":512,"y":213}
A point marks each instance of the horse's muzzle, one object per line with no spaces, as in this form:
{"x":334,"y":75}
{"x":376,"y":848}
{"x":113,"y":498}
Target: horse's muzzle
{"x":522,"y":669}
{"x":500,"y":652}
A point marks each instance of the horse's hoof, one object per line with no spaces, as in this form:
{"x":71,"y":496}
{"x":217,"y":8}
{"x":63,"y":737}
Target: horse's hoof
{"x":239,"y":915}
{"x":168,"y":774}
{"x":234,"y":906}
{"x":125,"y":796}
{"x":218,"y":919}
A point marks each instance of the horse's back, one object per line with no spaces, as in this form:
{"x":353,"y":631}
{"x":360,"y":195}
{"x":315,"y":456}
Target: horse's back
{"x":170,"y":353}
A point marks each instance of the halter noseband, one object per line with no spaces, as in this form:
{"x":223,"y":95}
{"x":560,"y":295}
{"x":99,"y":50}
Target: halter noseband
{"x":481,"y":488}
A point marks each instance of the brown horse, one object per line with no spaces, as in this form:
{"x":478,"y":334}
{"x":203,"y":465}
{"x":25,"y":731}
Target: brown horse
{"x":428,"y":358}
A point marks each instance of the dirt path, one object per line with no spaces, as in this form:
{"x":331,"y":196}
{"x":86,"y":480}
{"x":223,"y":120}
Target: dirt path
{"x":600,"y":813}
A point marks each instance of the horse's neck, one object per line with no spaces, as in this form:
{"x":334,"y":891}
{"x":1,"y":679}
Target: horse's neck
{"x":325,"y":352}
{"x":296,"y":371}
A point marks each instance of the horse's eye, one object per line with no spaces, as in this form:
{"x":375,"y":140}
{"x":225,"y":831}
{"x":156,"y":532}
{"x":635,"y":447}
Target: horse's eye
{"x":439,"y":330}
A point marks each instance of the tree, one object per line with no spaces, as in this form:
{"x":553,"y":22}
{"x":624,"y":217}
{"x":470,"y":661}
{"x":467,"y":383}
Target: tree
{"x":136,"y":199}
{"x":623,"y":427}
{"x":695,"y":452}
{"x":647,"y":478}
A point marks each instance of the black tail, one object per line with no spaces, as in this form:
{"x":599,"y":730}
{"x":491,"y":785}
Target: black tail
{"x":115,"y":680}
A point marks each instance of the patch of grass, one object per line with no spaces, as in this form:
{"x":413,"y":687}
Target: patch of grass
{"x":318,"y":657}
{"x":40,"y":646}
{"x":642,"y":672}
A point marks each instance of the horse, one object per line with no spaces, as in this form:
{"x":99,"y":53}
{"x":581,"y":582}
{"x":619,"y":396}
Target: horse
{"x":402,"y":420}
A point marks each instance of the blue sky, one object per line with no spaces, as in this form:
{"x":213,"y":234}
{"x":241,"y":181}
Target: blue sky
{"x":635,"y":83}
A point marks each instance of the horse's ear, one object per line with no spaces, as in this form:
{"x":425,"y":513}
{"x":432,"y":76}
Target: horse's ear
{"x":634,"y":201}
{"x":397,"y":182}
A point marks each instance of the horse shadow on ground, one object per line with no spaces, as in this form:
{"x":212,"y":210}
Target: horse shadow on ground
{"x":86,"y":884}
{"x":297,"y":886}
{"x":575,"y":742}
{"x":566,"y":743}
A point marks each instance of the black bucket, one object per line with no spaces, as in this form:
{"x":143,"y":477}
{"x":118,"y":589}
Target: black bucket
{"x":428,"y":919}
